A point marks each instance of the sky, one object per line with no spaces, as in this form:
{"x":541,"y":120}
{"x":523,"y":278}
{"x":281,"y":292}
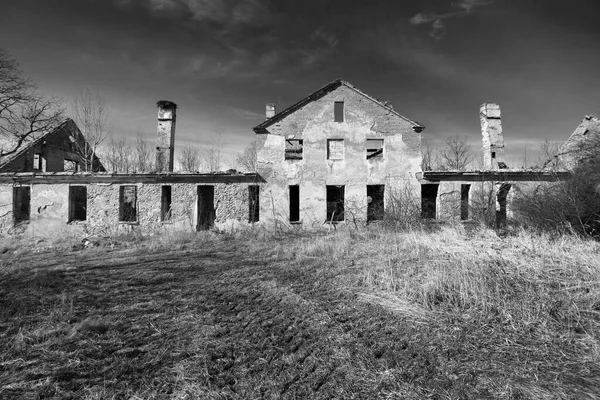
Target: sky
{"x":221,"y":61}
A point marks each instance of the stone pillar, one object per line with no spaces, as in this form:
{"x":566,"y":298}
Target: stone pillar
{"x":165,"y":140}
{"x":491,"y":132}
{"x":270,"y":111}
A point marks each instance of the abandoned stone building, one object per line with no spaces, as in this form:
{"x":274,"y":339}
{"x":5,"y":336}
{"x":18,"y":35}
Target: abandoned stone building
{"x":106,"y":203}
{"x":336,"y":156}
{"x":333,"y":156}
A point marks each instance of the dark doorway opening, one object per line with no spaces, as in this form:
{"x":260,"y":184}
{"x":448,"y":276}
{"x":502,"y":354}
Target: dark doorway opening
{"x":77,"y":203}
{"x":253,"y":204}
{"x":294,"y":203}
{"x":464,"y":201}
{"x":206,"y":207}
{"x":335,"y":203}
{"x":428,"y":200}
{"x":21,"y":203}
{"x":501,"y":206}
{"x":375,"y":206}
{"x":165,"y":203}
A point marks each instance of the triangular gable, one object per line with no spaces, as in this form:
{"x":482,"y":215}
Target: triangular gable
{"x":582,"y":144}
{"x":27,"y":146}
{"x":262,"y":128}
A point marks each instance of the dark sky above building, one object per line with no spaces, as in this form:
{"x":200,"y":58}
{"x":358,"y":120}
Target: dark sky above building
{"x":436,"y":61}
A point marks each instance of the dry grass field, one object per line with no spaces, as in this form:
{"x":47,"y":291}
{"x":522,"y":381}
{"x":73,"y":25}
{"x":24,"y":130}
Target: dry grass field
{"x":443,"y":314}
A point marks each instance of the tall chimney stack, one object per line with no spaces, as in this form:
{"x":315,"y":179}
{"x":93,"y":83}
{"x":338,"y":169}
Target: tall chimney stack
{"x":491,"y":132}
{"x":270,"y":110}
{"x":165,"y":140}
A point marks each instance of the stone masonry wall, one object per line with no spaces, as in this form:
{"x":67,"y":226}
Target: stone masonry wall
{"x":314,"y":124}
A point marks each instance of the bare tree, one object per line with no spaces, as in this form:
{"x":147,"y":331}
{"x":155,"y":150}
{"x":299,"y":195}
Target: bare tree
{"x":117,"y":156}
{"x":91,"y":116}
{"x":429,"y":160}
{"x":24,"y":114}
{"x":142,"y":155}
{"x":549,"y":152}
{"x":211,"y":153}
{"x":189,"y":159}
{"x":457,"y":154}
{"x":246,"y":160}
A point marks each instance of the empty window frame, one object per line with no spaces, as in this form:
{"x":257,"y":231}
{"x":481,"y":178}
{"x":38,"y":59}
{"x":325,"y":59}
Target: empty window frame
{"x":335,"y":203}
{"x":70,"y":165}
{"x":77,"y":203}
{"x":428,"y":200}
{"x":293,"y":149}
{"x":335,"y":149}
{"x":128,"y":203}
{"x":165,"y":203}
{"x":38,"y":164}
{"x":21,"y":203}
{"x":375,"y":203}
{"x":338,"y":111}
{"x":464,"y":201}
{"x":294,"y":203}
{"x":374,"y":148}
{"x":253,"y":203}
{"x":206,"y":207}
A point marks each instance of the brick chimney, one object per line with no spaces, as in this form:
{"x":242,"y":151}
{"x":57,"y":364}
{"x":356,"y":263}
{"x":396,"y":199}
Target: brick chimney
{"x":270,"y":113}
{"x":491,"y":132}
{"x":165,"y":140}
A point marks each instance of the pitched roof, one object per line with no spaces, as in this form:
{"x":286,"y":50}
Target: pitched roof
{"x":262,"y":128}
{"x":31,"y":142}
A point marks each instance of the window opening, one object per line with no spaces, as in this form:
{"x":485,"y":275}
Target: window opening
{"x":77,"y":203}
{"x":21,"y":203}
{"x":375,"y":202}
{"x":128,"y":203}
{"x":165,"y":203}
{"x":374,"y":148}
{"x":254,"y":209}
{"x":293,"y":149}
{"x":428,"y":200}
{"x":37,"y":162}
{"x":335,"y":203}
{"x":339,"y":111}
{"x":206,"y":207}
{"x":335,"y":149}
{"x":464,"y":201}
{"x":70,"y":166}
{"x":294,"y":203}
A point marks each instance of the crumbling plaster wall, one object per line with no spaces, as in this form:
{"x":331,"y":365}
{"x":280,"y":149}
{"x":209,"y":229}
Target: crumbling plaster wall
{"x":50,"y":207}
{"x":314,"y":124}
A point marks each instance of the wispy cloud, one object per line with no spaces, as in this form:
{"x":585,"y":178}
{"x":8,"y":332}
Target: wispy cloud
{"x":438,"y":27}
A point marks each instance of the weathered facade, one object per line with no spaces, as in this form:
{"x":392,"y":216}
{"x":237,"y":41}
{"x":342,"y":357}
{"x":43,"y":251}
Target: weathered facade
{"x":336,"y":155}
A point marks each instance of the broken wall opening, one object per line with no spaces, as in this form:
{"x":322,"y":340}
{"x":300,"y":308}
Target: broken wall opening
{"x":128,"y":203}
{"x":464,"y":201}
{"x":253,"y":204}
{"x":501,"y":205}
{"x":21,"y":203}
{"x":165,"y":203}
{"x":293,"y":149}
{"x":77,"y":203}
{"x":206,"y":207}
{"x":375,"y":202}
{"x":335,"y":203}
{"x":429,"y":192}
{"x":294,"y":203}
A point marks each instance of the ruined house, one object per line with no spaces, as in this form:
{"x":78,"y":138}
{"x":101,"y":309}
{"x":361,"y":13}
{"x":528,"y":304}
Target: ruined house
{"x":336,"y":155}
{"x":63,"y":148}
{"x":106,"y":203}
